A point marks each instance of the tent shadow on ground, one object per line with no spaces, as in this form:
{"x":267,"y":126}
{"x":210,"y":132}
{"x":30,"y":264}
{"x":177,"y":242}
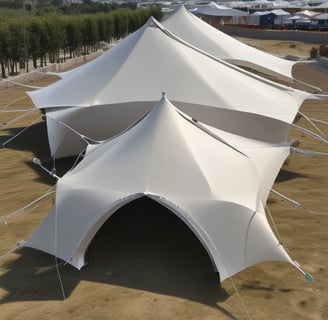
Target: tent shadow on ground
{"x":143,"y":246}
{"x":285,"y":175}
{"x":35,"y":140}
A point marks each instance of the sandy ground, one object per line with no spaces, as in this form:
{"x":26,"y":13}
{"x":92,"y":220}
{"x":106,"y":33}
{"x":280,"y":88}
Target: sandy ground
{"x":158,"y":270}
{"x":282,"y":48}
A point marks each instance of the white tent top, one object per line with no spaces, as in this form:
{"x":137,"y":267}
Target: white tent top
{"x":280,"y":12}
{"x":260,"y":13}
{"x":281,"y":3}
{"x":323,"y":16}
{"x":211,"y":185}
{"x":296,"y":17}
{"x":168,"y":65}
{"x":109,"y":94}
{"x":307,"y":13}
{"x":212,"y":9}
{"x":105,"y":96}
{"x":202,"y":35}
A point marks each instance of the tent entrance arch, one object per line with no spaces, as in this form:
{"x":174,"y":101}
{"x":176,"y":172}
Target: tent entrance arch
{"x":144,"y":237}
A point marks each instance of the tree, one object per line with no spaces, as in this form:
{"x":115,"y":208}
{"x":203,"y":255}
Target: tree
{"x":108,"y":28}
{"x":4,"y":46}
{"x":73,"y":36}
{"x":34,"y":29}
{"x":16,"y":44}
{"x":120,"y":23}
{"x":45,"y":37}
{"x":44,"y":43}
{"x":56,"y":35}
{"x":89,"y":31}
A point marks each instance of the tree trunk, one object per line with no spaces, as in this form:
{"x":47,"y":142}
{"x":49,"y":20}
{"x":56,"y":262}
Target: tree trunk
{"x":35,"y":64}
{"x":3,"y":70}
{"x":27,"y":67}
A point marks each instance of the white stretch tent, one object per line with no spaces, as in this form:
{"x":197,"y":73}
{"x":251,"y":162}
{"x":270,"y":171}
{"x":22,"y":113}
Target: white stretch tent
{"x":213,"y":9}
{"x":322,"y":16}
{"x":211,"y":185}
{"x":307,"y":13}
{"x":199,"y":33}
{"x":107,"y":95}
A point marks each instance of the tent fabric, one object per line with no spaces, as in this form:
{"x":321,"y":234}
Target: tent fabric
{"x":280,"y":12}
{"x":322,"y":16}
{"x":268,"y":158}
{"x":109,"y":94}
{"x":187,"y":26}
{"x":213,"y":9}
{"x":260,"y":13}
{"x":216,"y":189}
{"x":306,"y":13}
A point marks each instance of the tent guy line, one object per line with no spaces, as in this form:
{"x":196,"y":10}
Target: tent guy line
{"x":26,"y":113}
{"x":287,"y":199}
{"x":86,"y":139}
{"x":313,"y":124}
{"x":310,"y":133}
{"x":21,"y":84}
{"x":22,"y":131}
{"x":319,"y":121}
{"x":14,"y":101}
{"x":19,"y":212}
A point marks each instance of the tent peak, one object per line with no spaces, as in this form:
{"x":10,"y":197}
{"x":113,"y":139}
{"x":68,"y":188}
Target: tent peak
{"x":152,"y":22}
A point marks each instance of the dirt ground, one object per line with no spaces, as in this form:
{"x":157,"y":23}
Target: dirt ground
{"x":281,"y":48}
{"x":159,"y":270}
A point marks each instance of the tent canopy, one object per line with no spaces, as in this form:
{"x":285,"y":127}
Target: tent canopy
{"x":307,"y":13}
{"x":187,"y":26}
{"x":208,"y":183}
{"x":280,"y":12}
{"x":107,"y":95}
{"x":260,"y":13}
{"x":213,"y":9}
{"x":323,"y":16}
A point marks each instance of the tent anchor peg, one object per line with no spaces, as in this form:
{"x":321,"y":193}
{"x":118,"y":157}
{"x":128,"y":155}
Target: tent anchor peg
{"x":52,"y":172}
{"x":307,"y":276}
{"x":20,"y":243}
{"x":308,"y":152}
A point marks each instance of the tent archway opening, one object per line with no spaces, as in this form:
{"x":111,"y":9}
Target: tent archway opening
{"x":145,"y":234}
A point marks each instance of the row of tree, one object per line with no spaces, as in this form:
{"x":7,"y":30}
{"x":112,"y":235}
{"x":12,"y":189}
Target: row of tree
{"x":53,"y":37}
{"x":58,"y":6}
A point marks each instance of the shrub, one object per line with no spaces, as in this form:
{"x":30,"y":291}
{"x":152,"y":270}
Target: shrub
{"x":323,"y":50}
{"x":313,"y":53}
